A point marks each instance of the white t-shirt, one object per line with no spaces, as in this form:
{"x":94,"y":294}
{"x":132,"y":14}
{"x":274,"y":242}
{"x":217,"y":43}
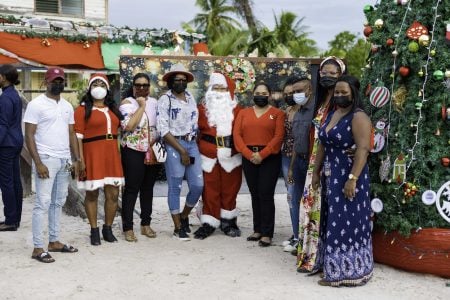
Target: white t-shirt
{"x":52,"y":119}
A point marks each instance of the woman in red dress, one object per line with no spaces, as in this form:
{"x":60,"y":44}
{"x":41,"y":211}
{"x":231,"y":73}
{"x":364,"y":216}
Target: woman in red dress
{"x":97,"y":122}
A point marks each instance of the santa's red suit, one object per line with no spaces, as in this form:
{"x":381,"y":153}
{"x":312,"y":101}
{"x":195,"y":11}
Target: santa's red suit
{"x":221,"y":164}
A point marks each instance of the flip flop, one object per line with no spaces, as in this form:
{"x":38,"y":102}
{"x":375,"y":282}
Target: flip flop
{"x":43,"y":257}
{"x":64,"y":249}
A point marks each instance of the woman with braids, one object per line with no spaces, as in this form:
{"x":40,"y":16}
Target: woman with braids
{"x":97,"y":121}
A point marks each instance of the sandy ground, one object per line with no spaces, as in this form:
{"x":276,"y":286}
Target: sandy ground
{"x":216,"y":268}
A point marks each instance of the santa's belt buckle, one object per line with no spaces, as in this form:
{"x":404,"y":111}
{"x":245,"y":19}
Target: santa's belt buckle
{"x":109,"y":136}
{"x":220,"y":142}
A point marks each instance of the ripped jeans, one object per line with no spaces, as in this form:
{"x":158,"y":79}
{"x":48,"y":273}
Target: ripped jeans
{"x":175,"y":171}
{"x":295,"y":190}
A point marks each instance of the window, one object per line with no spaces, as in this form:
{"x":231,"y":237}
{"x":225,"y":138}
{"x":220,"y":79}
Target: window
{"x":60,"y":7}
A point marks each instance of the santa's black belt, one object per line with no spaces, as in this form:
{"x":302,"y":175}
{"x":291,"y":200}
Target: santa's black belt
{"x":100,"y":137}
{"x":219,"y":141}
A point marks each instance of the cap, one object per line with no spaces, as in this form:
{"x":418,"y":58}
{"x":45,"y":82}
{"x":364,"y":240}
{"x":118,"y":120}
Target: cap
{"x":53,"y":73}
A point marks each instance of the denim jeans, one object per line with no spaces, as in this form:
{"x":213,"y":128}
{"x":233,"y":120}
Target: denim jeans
{"x":10,"y":184}
{"x":175,"y":171}
{"x":295,"y":190}
{"x":51,"y":194}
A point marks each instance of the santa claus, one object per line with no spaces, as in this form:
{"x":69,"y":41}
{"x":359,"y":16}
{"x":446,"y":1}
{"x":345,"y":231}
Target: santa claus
{"x":221,"y":164}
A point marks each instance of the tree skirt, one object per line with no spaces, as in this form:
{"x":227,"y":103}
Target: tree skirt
{"x":426,"y":251}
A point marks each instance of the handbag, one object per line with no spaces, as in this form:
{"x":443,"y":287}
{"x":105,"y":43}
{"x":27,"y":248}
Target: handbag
{"x":159,"y":151}
{"x":156,"y":153}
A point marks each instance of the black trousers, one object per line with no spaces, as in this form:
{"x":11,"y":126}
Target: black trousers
{"x":10,"y":184}
{"x":262,"y":180}
{"x":139,"y":178}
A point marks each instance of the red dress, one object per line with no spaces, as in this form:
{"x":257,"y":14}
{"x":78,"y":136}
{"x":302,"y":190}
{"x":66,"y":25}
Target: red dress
{"x":101,"y":156}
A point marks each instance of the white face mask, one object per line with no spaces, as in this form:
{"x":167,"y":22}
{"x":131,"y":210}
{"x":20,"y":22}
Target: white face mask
{"x":300,"y":98}
{"x":98,"y":93}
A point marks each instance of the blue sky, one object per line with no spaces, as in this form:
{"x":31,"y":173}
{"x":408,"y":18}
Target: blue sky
{"x":325,"y":18}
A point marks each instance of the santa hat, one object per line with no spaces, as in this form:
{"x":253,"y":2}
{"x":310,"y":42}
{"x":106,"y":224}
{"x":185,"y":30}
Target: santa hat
{"x":222,"y":79}
{"x":99,"y":76}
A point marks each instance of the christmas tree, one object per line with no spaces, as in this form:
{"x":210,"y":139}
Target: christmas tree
{"x":406,"y":84}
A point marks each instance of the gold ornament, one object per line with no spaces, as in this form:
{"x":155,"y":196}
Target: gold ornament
{"x":424,"y":40}
{"x":399,"y":98}
{"x":420,"y":73}
{"x":379,"y":24}
{"x":433,"y":52}
{"x":447,"y":74}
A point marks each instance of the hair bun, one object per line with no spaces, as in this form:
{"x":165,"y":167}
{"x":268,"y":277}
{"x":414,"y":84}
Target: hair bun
{"x":17,"y":82}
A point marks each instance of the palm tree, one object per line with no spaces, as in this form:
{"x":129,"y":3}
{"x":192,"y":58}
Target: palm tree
{"x":215,"y":20}
{"x":231,"y":43}
{"x":244,"y":9}
{"x":290,"y":32}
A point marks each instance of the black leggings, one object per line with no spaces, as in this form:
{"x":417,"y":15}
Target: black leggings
{"x":262,"y":180}
{"x":139,"y":178}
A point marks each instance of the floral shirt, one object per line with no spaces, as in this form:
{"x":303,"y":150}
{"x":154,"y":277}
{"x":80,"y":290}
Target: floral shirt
{"x":138,"y":139}
{"x":182,"y":118}
{"x":288,"y":139}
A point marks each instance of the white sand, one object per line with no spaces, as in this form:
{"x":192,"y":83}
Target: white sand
{"x":216,"y":268}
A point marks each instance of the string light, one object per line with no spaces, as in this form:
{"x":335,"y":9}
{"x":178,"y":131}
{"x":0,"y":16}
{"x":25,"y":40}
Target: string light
{"x":419,"y":119}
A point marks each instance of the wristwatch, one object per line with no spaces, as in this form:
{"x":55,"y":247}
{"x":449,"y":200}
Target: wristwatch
{"x":352,"y":177}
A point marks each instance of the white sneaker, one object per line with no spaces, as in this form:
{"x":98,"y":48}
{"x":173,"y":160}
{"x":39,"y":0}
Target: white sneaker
{"x":291,"y":246}
{"x":288,"y":242}
{"x":181,"y":235}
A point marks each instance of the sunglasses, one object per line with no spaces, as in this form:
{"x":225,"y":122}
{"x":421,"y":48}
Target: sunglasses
{"x":142,"y":86}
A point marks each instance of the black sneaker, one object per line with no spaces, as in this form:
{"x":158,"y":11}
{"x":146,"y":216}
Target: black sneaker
{"x":185,"y":224}
{"x":181,"y":235}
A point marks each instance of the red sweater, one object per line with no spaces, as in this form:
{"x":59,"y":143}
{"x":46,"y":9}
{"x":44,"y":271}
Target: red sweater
{"x":267,"y":130}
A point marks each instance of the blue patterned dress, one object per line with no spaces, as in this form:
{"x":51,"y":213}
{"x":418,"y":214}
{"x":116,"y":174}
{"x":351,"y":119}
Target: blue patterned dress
{"x":345,"y":248}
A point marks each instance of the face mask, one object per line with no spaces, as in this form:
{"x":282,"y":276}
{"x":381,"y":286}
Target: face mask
{"x":342,"y":101}
{"x":300,"y":98}
{"x":56,"y":88}
{"x":98,"y":92}
{"x":179,"y":87}
{"x":289,"y":100}
{"x":328,"y":82}
{"x":261,"y":101}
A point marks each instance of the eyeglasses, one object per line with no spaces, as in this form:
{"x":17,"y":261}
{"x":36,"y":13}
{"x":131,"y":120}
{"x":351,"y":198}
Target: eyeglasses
{"x":141,"y":86}
{"x":332,"y":74}
{"x":180,"y":80}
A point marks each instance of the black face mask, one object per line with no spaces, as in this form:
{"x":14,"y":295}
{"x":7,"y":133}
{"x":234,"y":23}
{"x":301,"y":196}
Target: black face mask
{"x":328,"y":82}
{"x":261,"y":101}
{"x":179,"y":87}
{"x":342,"y":101}
{"x":289,"y":100}
{"x":56,"y":88}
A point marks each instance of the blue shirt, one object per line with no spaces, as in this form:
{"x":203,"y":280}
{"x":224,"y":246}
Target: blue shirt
{"x":10,"y":118}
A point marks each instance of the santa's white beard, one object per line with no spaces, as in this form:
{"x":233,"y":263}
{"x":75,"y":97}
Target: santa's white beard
{"x":219,"y":111}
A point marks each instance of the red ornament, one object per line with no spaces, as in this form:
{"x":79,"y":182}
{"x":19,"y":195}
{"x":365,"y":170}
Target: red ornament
{"x":445,"y":161}
{"x":367,"y":31}
{"x":416,"y":30}
{"x":368,"y":90}
{"x":404,"y":71}
{"x":390,"y":42}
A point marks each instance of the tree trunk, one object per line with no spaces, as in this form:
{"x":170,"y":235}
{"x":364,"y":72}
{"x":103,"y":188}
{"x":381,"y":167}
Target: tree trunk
{"x":245,"y":10}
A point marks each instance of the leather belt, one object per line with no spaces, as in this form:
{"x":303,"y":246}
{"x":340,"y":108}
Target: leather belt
{"x":256,"y":148}
{"x":186,"y":137}
{"x":219,"y":141}
{"x":108,"y":136}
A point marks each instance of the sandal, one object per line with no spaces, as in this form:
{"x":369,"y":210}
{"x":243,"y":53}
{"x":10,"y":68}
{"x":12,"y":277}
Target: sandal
{"x":65,"y":249}
{"x":254,"y":237}
{"x":262,"y":243}
{"x":43,"y":257}
{"x":148,"y":231}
